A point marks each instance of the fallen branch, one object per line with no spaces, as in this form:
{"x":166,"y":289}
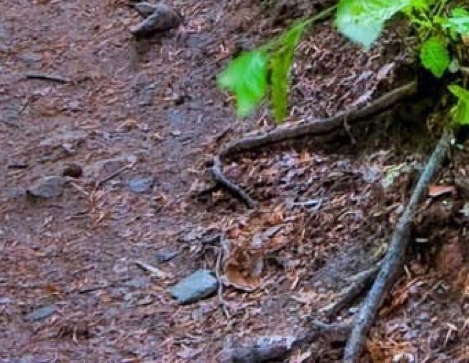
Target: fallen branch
{"x":394,"y":258}
{"x":315,"y":127}
{"x":270,"y":348}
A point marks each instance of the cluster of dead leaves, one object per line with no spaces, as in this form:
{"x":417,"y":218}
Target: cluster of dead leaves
{"x":250,"y":240}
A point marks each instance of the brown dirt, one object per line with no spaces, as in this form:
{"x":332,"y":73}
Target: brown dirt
{"x":153,"y":105}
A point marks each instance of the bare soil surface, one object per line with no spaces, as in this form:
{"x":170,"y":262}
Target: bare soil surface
{"x":103,"y":171}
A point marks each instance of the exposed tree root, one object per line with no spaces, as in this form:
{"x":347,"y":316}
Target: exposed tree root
{"x":277,"y":347}
{"x":309,"y":128}
{"x":235,"y":189}
{"x":394,"y":258}
{"x":360,"y":282}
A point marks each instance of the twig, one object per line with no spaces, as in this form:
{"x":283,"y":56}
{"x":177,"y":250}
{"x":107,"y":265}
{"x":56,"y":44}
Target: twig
{"x":114,"y":174}
{"x":47,"y":77}
{"x":394,"y":258}
{"x":222,"y":301}
{"x":151,"y":269}
{"x":318,"y":127}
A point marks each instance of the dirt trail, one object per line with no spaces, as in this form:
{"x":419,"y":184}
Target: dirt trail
{"x":135,"y":118}
{"x":151,"y":103}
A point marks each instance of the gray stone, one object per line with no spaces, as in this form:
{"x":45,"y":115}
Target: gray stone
{"x":142,"y":185}
{"x":48,"y":187}
{"x":199,"y":285}
{"x":75,"y":138}
{"x":147,"y":95}
{"x":5,"y":300}
{"x":3,"y":33}
{"x":40,"y":313}
{"x":104,"y":167}
{"x":176,"y":118}
{"x":162,"y":18}
{"x":144,"y":9}
{"x":30,"y":58}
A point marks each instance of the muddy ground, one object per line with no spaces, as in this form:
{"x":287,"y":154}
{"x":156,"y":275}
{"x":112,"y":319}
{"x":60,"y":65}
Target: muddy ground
{"x":132,"y":123}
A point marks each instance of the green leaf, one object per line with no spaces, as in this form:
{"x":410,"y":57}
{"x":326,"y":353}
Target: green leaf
{"x":280,"y":63}
{"x":246,"y":77}
{"x":279,"y":86}
{"x":458,"y":21}
{"x":435,"y":56}
{"x":362,"y":21}
{"x":460,"y":112}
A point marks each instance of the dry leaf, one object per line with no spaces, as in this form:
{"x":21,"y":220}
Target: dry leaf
{"x":242,"y":269}
{"x":439,"y":190}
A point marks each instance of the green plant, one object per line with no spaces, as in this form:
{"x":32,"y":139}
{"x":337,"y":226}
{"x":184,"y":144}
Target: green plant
{"x":460,"y":112}
{"x":249,"y":75}
{"x":265,"y":71}
{"x":363,"y":22}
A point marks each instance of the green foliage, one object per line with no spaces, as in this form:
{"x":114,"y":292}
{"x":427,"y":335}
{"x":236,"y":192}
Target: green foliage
{"x":460,"y":112}
{"x":265,"y":71}
{"x":246,"y":77}
{"x":458,"y":22}
{"x":434,"y":56}
{"x":280,"y":64}
{"x":363,"y":21}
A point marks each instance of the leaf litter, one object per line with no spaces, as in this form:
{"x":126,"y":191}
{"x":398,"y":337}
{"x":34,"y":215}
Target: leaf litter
{"x":323,"y":216}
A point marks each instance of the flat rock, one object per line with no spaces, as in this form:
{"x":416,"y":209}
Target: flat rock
{"x":48,"y":187}
{"x":41,"y":313}
{"x":201,"y":284}
{"x":142,"y":185}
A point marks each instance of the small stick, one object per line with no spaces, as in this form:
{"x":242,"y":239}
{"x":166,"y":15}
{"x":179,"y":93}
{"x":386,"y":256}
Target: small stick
{"x":114,"y":174}
{"x":394,"y":259}
{"x":47,"y":77}
{"x":151,"y":269}
{"x":222,"y":301}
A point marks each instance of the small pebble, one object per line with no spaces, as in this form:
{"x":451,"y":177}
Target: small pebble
{"x":40,"y":313}
{"x":142,"y":185}
{"x":47,"y":188}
